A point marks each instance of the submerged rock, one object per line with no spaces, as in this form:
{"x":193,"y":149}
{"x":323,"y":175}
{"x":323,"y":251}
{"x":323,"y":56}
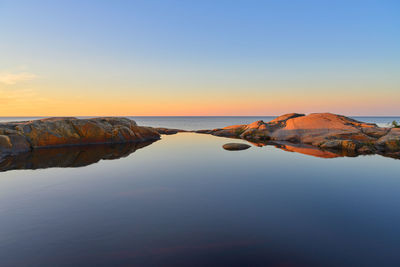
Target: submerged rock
{"x":16,"y":137}
{"x":235,"y":146}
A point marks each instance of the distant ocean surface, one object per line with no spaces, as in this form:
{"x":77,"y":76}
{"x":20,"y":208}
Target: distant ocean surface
{"x":210,"y":122}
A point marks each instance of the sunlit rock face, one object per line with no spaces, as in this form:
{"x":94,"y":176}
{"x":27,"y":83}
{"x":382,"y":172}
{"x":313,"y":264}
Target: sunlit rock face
{"x":20,"y":137}
{"x":323,"y":130}
{"x":285,"y":117}
{"x":319,"y":128}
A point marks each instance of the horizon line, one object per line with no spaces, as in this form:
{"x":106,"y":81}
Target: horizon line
{"x":59,"y":116}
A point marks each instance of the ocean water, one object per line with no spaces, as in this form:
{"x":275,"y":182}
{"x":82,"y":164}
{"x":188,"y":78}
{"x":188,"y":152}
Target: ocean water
{"x":207,"y":122}
{"x":184,"y":201}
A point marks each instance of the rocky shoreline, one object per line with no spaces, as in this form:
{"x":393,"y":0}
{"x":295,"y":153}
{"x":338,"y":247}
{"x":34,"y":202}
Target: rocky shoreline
{"x":324,"y":131}
{"x":318,"y":134}
{"x":19,"y":137}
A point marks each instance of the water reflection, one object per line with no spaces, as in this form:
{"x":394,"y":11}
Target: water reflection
{"x":73,"y":156}
{"x":318,"y":152}
{"x":79,"y":156}
{"x":307,"y":150}
{"x":185,"y":201}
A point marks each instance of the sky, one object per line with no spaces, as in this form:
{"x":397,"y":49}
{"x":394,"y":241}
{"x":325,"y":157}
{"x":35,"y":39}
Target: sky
{"x":199,"y":58}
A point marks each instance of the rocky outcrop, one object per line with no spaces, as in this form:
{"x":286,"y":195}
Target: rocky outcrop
{"x":323,"y":130}
{"x":235,"y":146}
{"x":390,"y":141}
{"x":17,"y":137}
{"x":319,"y":134}
{"x":168,"y":131}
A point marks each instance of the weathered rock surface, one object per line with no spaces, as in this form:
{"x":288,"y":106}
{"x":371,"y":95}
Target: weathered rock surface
{"x":17,"y":137}
{"x":168,"y":131}
{"x":235,"y":146}
{"x":322,"y":130}
{"x":390,"y":141}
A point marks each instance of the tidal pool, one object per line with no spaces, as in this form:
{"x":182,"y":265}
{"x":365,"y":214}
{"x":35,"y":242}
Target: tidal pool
{"x":185,"y":201}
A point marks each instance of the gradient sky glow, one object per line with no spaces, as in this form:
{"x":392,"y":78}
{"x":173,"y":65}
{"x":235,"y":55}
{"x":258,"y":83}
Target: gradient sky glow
{"x":201,"y":57}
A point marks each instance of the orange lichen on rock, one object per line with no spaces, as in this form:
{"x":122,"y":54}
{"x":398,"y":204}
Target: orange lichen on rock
{"x":54,"y":132}
{"x":324,"y":121}
{"x":318,"y":129}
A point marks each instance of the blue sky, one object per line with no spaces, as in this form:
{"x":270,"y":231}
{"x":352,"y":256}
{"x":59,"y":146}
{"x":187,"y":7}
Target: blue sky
{"x":169,"y":53}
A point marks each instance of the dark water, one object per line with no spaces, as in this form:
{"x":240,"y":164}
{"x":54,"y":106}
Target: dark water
{"x":184,"y":201}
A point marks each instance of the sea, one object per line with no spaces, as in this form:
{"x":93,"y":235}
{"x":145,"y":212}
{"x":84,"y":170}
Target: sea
{"x":185,"y":201}
{"x":209,"y":122}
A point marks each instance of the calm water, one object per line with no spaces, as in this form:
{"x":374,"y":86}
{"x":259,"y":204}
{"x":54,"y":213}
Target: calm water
{"x":198,"y":123}
{"x":184,"y":201}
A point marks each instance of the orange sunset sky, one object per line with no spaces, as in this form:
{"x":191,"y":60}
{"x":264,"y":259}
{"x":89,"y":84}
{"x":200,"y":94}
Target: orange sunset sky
{"x":166,"y":58}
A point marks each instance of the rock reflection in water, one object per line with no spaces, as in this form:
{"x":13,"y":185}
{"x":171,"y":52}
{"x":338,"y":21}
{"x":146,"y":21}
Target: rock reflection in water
{"x":72,"y":156}
{"x":318,"y":152}
{"x":308,"y":150}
